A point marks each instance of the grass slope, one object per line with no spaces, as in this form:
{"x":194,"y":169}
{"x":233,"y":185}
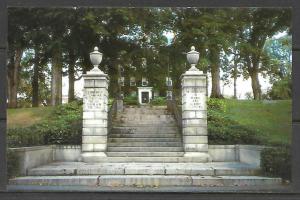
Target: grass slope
{"x":271,"y":118}
{"x":23,"y":117}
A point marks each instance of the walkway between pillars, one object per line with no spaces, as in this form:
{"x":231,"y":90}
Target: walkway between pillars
{"x":145,"y":132}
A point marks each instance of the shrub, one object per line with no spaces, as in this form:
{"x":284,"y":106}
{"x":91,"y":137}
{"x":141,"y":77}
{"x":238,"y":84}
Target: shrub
{"x":276,"y":162}
{"x":28,"y":136}
{"x":12,"y":164}
{"x":222,"y":130}
{"x":281,"y":89}
{"x":131,"y":100}
{"x":159,"y":101}
{"x":216,"y":104}
{"x":64,"y":127}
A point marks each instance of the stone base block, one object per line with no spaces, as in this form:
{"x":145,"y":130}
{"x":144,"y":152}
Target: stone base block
{"x":92,"y":156}
{"x":196,"y":148}
{"x":195,"y":139}
{"x":206,"y":157}
{"x":200,"y":130}
{"x":91,"y":139}
{"x":94,"y":131}
{"x":194,"y":122}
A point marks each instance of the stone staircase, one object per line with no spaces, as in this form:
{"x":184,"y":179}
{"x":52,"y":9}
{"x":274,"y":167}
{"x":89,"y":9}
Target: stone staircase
{"x":145,"y":131}
{"x":145,"y":151}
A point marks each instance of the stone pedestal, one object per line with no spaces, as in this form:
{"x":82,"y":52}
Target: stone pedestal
{"x":194,"y":115}
{"x":95,"y":109}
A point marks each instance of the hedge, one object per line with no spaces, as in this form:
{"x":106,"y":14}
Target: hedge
{"x":276,"y":161}
{"x":64,"y":127}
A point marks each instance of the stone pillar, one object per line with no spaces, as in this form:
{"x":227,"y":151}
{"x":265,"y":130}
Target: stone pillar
{"x":95,"y":110}
{"x":194,"y":115}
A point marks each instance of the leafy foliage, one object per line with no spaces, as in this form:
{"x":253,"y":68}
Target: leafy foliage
{"x":223,"y":130}
{"x":64,"y":127}
{"x":130,"y":100}
{"x":126,"y":35}
{"x":159,"y":101}
{"x":216,"y":105}
{"x":12,"y":164}
{"x":276,"y":161}
{"x":281,"y":89}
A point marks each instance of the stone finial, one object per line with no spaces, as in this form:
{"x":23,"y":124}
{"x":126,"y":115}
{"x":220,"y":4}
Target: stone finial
{"x":96,"y":58}
{"x":193,"y":58}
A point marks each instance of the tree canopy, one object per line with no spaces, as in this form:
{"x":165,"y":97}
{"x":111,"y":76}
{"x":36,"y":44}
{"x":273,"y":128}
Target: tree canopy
{"x":47,"y":44}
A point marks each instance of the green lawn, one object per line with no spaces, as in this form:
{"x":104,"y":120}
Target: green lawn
{"x":22,"y":117}
{"x":271,"y":118}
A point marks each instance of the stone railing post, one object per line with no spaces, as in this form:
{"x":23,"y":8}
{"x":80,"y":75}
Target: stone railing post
{"x":95,"y":112}
{"x":194,"y":115}
{"x":194,"y":110}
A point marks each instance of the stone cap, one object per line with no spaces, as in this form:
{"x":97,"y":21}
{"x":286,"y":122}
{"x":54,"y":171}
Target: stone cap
{"x":95,"y":75}
{"x":193,"y":75}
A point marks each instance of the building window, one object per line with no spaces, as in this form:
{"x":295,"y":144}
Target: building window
{"x":144,"y":81}
{"x":168,"y":81}
{"x":121,"y":81}
{"x":132,"y":81}
{"x":144,"y":63}
{"x":169,"y":95}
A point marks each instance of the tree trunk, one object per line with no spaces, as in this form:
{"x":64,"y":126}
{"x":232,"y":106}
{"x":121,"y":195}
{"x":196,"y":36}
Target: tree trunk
{"x":13,"y":78}
{"x":35,"y":81}
{"x":56,"y":84}
{"x":71,"y":93}
{"x":215,"y":74}
{"x":253,"y":65}
{"x":234,"y":79}
{"x":255,"y":85}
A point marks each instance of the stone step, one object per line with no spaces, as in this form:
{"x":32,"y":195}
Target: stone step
{"x":134,"y":139}
{"x":146,"y":180}
{"x":142,"y":130}
{"x":144,"y":149}
{"x":146,"y":117}
{"x":150,"y":159}
{"x":137,"y":135}
{"x":145,"y":122}
{"x":144,"y":154}
{"x":136,"y":123}
{"x":145,"y":127}
{"x":145,"y":111}
{"x":148,"y":110}
{"x":145,"y":144}
{"x":191,"y":169}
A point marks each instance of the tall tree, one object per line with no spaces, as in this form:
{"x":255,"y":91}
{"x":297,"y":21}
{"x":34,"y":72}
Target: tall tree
{"x":17,"y":27}
{"x":259,"y":26}
{"x":207,"y":29}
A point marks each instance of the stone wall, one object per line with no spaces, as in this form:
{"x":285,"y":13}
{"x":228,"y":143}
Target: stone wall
{"x":30,"y":157}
